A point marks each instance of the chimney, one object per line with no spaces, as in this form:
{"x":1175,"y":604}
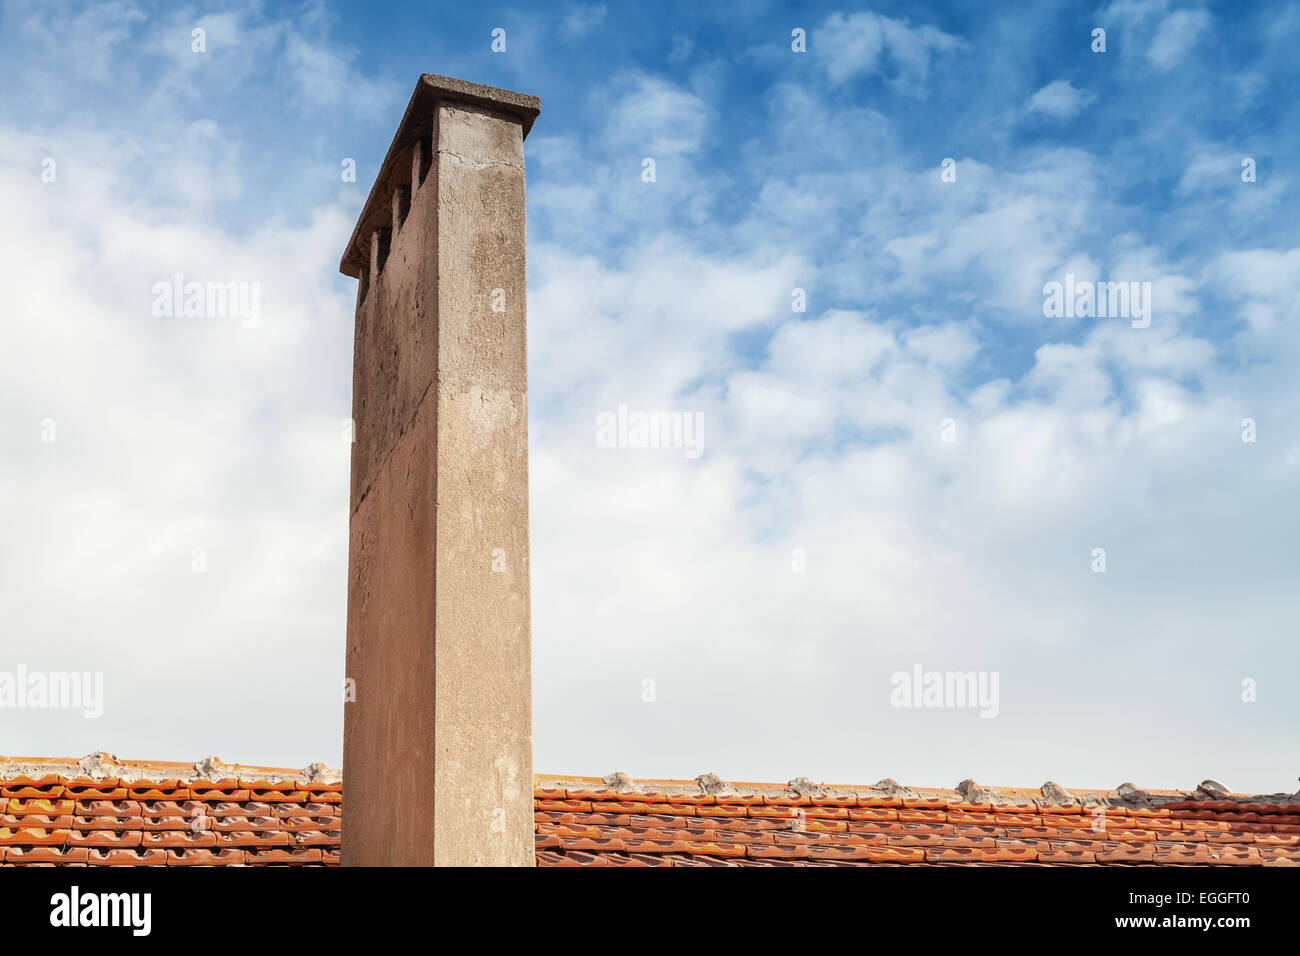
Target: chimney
{"x":437,"y":742}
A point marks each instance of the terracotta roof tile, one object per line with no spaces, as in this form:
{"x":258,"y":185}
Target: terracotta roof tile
{"x":120,"y":840}
{"x":218,"y":794}
{"x":254,"y":838}
{"x":48,"y":787}
{"x":204,"y":857}
{"x":179,"y":838}
{"x":22,"y":807}
{"x":103,"y":812}
{"x":747,"y":824}
{"x":41,"y":821}
{"x":106,"y":857}
{"x":108,"y":822}
{"x":33,"y":836}
{"x":18,"y":855}
{"x":119,"y":813}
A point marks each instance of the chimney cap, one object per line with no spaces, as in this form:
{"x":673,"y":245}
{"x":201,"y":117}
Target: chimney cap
{"x":417,"y":122}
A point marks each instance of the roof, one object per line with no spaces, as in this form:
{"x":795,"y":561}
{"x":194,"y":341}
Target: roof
{"x":417,"y":126}
{"x":103,"y":811}
{"x":707,"y":822}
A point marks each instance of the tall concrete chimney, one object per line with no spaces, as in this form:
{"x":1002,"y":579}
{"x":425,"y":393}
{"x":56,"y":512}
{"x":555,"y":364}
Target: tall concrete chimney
{"x":437,"y":742}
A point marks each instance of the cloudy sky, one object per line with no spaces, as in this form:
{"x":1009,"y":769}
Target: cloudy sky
{"x":915,"y":471}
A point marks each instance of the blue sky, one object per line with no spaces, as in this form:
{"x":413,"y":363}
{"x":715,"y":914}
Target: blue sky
{"x":824,"y":430}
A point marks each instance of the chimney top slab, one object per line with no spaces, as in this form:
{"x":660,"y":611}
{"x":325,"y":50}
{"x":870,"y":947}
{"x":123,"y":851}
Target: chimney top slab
{"x":417,"y":123}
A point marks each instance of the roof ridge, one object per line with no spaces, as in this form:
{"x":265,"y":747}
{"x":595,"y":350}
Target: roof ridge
{"x":100,"y":765}
{"x":967,"y":791}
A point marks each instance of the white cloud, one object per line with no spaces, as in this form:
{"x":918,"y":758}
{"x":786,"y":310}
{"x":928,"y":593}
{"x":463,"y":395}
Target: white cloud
{"x":171,"y":435}
{"x":1265,"y":285}
{"x":1060,"y":100}
{"x":966,"y":555}
{"x":1177,"y":35}
{"x":823,"y":432}
{"x":581,"y":20}
{"x":325,"y":76}
{"x":657,"y":117}
{"x":1210,"y":171}
{"x":89,"y":40}
{"x":975,"y":552}
{"x":868,"y":43}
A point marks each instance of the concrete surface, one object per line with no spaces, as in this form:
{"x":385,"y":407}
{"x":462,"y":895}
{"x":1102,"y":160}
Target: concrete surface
{"x":438,"y":743}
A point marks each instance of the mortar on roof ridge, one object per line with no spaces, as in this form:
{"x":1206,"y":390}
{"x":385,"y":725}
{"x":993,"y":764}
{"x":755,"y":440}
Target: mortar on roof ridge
{"x":1132,"y":793}
{"x":92,"y":765}
{"x":972,"y":792}
{"x":889,"y":786}
{"x":1050,"y":794}
{"x":800,"y":786}
{"x":619,"y":781}
{"x":1056,"y":795}
{"x":102,"y":765}
{"x":710,"y":783}
{"x":209,"y":768}
{"x":321,"y":773}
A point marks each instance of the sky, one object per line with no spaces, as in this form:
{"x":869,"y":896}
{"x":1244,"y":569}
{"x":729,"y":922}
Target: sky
{"x":838,"y":267}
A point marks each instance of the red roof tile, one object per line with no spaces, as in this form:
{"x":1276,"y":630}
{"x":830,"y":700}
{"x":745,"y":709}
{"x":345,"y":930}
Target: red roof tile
{"x":104,"y":812}
{"x":579,"y":822}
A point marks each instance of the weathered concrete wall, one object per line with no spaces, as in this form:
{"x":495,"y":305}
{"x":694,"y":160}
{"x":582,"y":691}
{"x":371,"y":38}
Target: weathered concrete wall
{"x":438,"y":742}
{"x":483,"y":764}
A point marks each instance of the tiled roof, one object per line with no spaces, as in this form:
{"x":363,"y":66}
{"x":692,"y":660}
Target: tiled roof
{"x":706,"y":822}
{"x":101,"y":811}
